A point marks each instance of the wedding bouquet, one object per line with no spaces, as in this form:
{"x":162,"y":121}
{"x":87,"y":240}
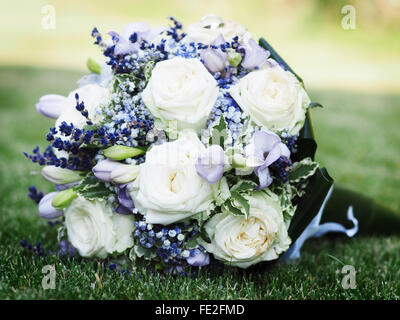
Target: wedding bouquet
{"x":185,"y":146}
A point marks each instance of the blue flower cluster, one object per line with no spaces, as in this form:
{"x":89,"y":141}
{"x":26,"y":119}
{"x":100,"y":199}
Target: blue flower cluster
{"x":233,"y":115}
{"x":36,"y":249}
{"x":128,"y":121}
{"x":65,"y":249}
{"x":82,"y":161}
{"x":168,"y":242}
{"x":290,"y":141}
{"x":280,"y":169}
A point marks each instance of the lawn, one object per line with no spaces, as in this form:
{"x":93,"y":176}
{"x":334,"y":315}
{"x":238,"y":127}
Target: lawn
{"x":358,"y":140}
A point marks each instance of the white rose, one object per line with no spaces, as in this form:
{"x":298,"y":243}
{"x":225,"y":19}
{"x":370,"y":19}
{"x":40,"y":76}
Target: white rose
{"x":242,"y":242}
{"x":95,"y":230}
{"x":168,"y":188}
{"x":182,"y":90}
{"x":273,"y":98}
{"x":211,"y":26}
{"x":93,"y":96}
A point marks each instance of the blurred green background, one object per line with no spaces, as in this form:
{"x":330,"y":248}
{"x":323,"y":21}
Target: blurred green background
{"x":355,"y":74}
{"x":307,"y":33}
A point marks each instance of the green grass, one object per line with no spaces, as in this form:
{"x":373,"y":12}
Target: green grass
{"x":358,"y":141}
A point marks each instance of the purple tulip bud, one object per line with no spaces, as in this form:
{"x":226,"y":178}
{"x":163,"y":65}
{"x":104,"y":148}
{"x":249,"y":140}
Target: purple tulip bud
{"x":46,"y":210}
{"x":51,"y":105}
{"x":254,"y":55}
{"x":199,"y":260}
{"x":124,"y":197}
{"x":215,"y":60}
{"x":102,"y":170}
{"x":210,"y":164}
{"x":123,"y":210}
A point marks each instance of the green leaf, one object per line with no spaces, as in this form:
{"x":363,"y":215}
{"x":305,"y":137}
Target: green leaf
{"x":336,"y":259}
{"x":132,"y":255}
{"x":203,"y":234}
{"x":219,"y":133}
{"x":61,"y":232}
{"x":148,"y":69}
{"x":89,"y":179}
{"x":232,"y":209}
{"x":201,"y":217}
{"x":91,"y":188}
{"x":221,"y":191}
{"x":302,"y":170}
{"x":244,"y":203}
{"x":193,"y":242}
{"x":315,"y":105}
{"x":91,"y":192}
{"x":142,"y":252}
{"x":244,"y":186}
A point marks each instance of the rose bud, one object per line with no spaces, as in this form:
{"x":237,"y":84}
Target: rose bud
{"x":51,"y":105}
{"x":125,"y":173}
{"x":102,"y":170}
{"x":59,"y":175}
{"x":46,"y":210}
{"x":63,"y":199}
{"x":118,"y":152}
{"x":215,"y":60}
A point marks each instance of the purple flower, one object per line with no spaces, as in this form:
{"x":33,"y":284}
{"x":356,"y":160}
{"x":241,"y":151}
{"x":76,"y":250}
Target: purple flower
{"x":123,"y":46}
{"x":124,"y":198}
{"x":51,"y":105}
{"x":102,"y":170}
{"x":46,"y":210}
{"x":132,"y":35}
{"x":67,"y":249}
{"x":264,"y":149}
{"x":254,"y":55}
{"x":61,"y":187}
{"x":210,"y":164}
{"x":199,"y":260}
{"x":215,"y":60}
